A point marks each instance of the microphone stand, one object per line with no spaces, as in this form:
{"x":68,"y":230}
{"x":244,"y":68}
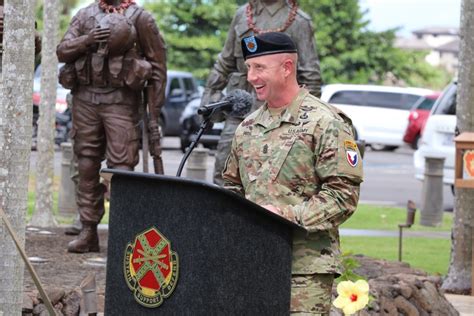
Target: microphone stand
{"x":202,"y":128}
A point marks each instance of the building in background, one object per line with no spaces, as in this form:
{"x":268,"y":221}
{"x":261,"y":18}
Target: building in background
{"x":442,"y":43}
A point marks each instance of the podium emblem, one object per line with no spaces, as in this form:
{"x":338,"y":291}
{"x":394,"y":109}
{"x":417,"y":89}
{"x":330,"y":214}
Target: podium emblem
{"x":150,"y":268}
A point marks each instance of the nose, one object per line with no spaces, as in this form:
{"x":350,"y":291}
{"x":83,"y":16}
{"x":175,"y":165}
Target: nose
{"x":251,"y":75}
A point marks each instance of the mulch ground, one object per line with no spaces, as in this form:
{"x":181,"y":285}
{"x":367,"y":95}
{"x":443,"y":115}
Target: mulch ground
{"x":58,"y":269}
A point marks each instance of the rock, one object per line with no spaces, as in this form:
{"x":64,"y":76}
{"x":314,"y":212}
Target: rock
{"x":27,"y":304}
{"x":405,"y":290}
{"x":54,"y":294}
{"x":71,"y":303}
{"x":403,"y":305}
{"x":397,"y":289}
{"x":39,"y":308}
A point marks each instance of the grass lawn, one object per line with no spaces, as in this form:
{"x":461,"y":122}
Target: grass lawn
{"x":428,"y":254}
{"x":388,"y":218}
{"x":60,"y":219}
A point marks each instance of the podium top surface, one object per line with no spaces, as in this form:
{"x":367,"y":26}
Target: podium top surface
{"x":108,"y":173}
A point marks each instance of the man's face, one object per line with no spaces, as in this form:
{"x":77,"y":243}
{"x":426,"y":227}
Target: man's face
{"x":266,"y":75}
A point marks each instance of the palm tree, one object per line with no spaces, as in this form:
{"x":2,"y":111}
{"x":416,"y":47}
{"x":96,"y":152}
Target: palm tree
{"x":43,"y":215}
{"x":459,"y":279}
{"x":15,"y":142}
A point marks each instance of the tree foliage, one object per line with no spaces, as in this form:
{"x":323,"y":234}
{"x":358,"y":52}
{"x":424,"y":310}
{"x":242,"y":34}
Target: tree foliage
{"x":350,"y":53}
{"x":195,"y":32}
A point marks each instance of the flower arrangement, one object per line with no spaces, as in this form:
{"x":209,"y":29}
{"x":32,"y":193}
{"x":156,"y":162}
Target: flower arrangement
{"x":352,"y":297}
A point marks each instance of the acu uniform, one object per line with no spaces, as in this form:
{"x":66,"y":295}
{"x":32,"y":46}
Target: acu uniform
{"x":230,"y":70}
{"x":306,"y":163}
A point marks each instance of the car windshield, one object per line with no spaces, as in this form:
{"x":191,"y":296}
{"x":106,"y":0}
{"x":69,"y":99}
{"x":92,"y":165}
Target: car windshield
{"x":424,"y":104}
{"x":389,"y":100}
{"x":446,"y":104}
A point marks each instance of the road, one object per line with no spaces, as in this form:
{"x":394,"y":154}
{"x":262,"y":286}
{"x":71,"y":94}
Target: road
{"x":389,"y":180}
{"x":388,"y":176}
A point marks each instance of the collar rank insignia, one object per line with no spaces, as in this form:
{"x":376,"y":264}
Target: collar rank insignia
{"x":150,"y":268}
{"x":251,"y":44}
{"x":351,"y":153}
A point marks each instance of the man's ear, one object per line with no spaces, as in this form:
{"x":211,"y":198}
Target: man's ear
{"x":288,"y":66}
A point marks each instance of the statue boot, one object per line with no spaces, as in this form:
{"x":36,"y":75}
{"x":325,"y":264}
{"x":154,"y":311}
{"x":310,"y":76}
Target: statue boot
{"x":87,"y":241}
{"x":75,"y":227}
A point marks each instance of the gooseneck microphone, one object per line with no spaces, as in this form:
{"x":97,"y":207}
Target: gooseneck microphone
{"x":237,"y":104}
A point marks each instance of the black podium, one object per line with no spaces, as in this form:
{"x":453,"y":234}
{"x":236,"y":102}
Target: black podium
{"x":209,"y":251}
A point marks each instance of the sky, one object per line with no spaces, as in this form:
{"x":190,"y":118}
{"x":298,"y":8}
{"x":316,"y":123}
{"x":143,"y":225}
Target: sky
{"x":411,"y":15}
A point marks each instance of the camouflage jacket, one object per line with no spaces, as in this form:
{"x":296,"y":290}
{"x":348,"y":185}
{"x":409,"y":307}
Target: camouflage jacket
{"x":230,"y":71}
{"x":307,"y":164}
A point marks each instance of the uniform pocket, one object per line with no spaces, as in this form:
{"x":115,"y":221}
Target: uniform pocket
{"x":280,"y":157}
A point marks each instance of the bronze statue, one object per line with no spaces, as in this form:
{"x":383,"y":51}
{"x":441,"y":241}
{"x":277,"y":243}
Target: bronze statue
{"x":259,"y":16}
{"x":115,"y":57}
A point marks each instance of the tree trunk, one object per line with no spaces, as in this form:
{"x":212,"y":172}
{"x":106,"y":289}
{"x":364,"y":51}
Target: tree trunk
{"x":15,"y":143}
{"x":43,"y":215}
{"x":460,"y":268}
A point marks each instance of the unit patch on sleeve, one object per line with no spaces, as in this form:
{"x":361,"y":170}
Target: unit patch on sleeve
{"x":351,"y":152}
{"x":150,"y":268}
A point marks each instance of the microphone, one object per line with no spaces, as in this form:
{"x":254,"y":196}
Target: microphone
{"x":237,"y":103}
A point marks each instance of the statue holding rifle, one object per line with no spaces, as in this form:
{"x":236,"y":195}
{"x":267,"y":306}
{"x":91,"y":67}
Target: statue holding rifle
{"x":115,"y":61}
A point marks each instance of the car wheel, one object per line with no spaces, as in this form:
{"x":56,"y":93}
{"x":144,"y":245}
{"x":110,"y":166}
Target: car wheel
{"x":416,"y":142}
{"x":34,"y":136}
{"x":184,"y":144}
{"x":380,"y":147}
{"x":162,"y":125}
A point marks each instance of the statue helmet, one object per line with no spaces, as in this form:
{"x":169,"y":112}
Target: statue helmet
{"x":122,"y":33}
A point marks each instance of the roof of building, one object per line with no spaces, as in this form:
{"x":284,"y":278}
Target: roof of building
{"x":450,"y":47}
{"x":437,"y":30}
{"x":411,"y":43}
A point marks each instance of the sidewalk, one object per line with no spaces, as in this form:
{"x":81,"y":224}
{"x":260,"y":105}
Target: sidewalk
{"x":464,"y":304}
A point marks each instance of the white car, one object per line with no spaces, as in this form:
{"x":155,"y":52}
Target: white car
{"x":379,"y":113}
{"x":438,"y":135}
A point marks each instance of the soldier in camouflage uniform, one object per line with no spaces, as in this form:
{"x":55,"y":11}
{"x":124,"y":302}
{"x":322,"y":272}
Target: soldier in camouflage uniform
{"x":297,"y":157}
{"x":259,"y":16}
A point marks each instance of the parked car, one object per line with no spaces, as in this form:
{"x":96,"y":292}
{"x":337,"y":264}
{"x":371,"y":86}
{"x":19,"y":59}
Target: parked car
{"x":190,"y":122}
{"x":417,"y":119}
{"x":181,"y":88}
{"x":438,"y":136}
{"x":379,"y":113}
{"x":63,"y":120}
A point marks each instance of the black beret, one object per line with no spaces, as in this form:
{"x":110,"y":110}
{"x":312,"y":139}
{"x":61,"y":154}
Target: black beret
{"x":267,"y":44}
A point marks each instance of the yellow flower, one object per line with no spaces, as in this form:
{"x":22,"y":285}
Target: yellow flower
{"x":352,"y":296}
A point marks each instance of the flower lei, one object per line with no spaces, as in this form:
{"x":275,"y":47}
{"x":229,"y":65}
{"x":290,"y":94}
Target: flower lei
{"x":256,"y":30}
{"x":110,"y":8}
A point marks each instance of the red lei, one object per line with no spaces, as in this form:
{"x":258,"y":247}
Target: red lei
{"x":110,"y":8}
{"x":256,"y":30}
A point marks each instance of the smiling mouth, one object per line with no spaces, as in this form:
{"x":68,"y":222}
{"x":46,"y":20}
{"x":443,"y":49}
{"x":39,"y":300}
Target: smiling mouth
{"x":259,"y":87}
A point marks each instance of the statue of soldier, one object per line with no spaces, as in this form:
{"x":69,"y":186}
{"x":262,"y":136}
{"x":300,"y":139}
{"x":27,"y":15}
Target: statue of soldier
{"x":259,"y":16}
{"x":114,"y":56}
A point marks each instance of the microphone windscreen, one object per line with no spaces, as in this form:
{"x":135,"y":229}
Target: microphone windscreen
{"x":242,"y":102}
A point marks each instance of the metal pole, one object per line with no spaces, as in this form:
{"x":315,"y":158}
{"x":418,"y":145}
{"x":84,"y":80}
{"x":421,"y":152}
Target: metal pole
{"x":432,"y":206}
{"x":400,"y":238}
